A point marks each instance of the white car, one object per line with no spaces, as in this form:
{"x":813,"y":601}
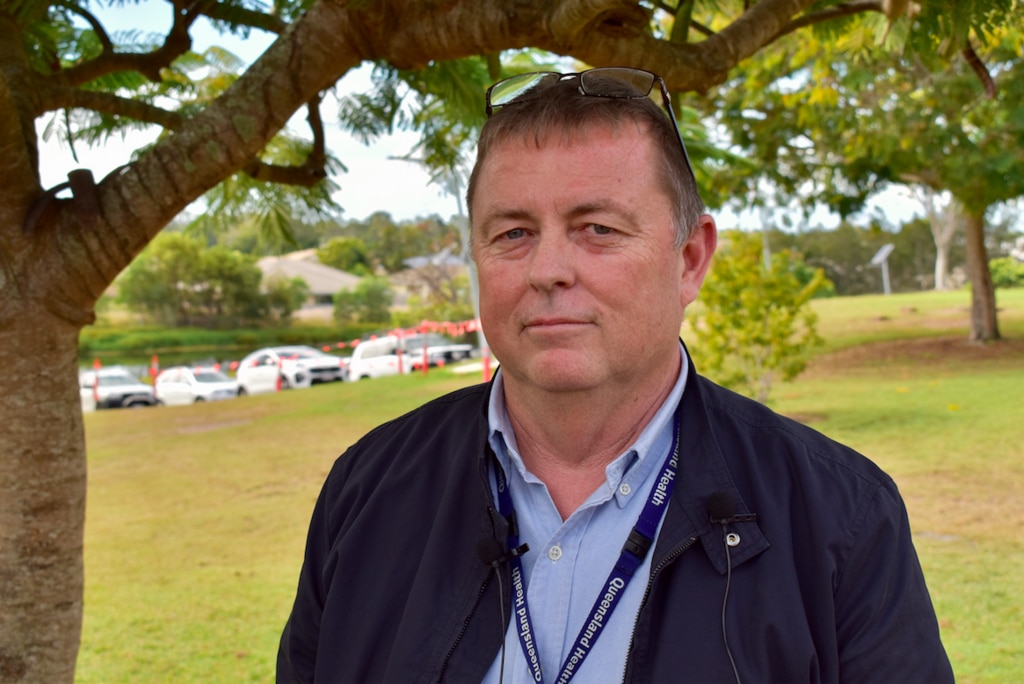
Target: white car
{"x":391,"y":355}
{"x":439,"y":349}
{"x":376,"y":358}
{"x":181,"y":385}
{"x":297,"y":366}
{"x":113,"y":388}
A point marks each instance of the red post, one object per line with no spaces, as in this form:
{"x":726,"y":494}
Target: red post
{"x":425,"y":359}
{"x":96,"y":380}
{"x":280,"y":372}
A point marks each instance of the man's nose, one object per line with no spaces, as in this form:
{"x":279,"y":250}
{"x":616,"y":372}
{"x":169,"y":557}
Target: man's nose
{"x":552,"y":263}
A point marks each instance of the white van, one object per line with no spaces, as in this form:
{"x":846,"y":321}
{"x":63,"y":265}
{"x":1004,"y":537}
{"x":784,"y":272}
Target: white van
{"x":377,"y":358}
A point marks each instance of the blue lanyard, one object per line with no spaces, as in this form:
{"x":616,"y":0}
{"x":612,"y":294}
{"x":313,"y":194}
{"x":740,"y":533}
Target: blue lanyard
{"x":632,"y":556}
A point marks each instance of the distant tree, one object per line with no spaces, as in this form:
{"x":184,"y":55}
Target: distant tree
{"x":284,"y":296}
{"x":178,"y":280}
{"x":348,"y":254}
{"x":368,"y":302}
{"x":449,"y":300}
{"x":838,"y":129}
{"x":844,"y":254}
{"x":754,"y":324}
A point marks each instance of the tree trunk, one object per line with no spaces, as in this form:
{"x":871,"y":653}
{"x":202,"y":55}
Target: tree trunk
{"x":941,"y":266}
{"x":42,"y":507}
{"x":984,"y":326}
{"x":943,"y":222}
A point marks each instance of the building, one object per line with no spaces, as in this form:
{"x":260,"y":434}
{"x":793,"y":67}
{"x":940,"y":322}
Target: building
{"x":323,"y":281}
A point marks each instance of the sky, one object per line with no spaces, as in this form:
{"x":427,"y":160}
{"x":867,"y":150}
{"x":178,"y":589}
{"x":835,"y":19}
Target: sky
{"x":376,"y":180}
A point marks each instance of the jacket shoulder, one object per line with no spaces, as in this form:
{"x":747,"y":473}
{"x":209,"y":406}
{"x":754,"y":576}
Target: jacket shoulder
{"x":433,"y":437}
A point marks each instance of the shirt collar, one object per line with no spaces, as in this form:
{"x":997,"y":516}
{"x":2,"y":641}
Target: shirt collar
{"x":630,"y":468}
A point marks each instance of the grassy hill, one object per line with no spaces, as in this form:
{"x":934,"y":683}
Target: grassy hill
{"x":196,"y":515}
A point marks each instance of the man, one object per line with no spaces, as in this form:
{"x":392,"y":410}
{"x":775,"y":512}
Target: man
{"x":600,"y":510}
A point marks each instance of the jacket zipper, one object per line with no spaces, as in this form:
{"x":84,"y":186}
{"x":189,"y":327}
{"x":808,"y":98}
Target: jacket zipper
{"x":647,"y":592}
{"x":465,"y":624}
{"x":462,"y":632}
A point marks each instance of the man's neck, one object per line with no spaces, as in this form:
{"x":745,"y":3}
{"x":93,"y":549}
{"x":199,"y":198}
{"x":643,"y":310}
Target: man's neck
{"x":568,"y":440}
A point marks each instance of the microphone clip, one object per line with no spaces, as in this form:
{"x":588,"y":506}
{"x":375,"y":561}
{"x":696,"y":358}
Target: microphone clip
{"x":506,"y":556}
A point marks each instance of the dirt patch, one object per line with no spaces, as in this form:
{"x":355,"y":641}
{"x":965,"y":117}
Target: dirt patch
{"x":950,"y":350}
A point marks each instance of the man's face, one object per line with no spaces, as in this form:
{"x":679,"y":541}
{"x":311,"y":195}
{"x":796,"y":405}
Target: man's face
{"x":580,"y":283}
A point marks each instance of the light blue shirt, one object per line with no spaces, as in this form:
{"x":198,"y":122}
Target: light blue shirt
{"x":568,"y":562}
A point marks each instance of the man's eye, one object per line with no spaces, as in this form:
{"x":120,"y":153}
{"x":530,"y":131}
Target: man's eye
{"x":515,"y":234}
{"x":601,"y":230}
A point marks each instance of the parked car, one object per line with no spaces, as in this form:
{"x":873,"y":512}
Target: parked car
{"x":376,"y":358}
{"x":440,"y":349}
{"x":297,"y":366}
{"x":181,"y":385}
{"x":114,"y":388}
{"x":390,"y":354}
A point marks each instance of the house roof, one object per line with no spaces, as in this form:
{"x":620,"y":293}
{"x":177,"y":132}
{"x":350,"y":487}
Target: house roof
{"x":322,"y":280}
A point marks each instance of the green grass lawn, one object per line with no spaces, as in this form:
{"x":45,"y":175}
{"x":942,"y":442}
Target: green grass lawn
{"x":196,"y":515}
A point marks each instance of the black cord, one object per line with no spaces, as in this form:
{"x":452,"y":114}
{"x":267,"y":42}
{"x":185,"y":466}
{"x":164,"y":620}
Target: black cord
{"x":504,"y":627}
{"x":725,"y":602}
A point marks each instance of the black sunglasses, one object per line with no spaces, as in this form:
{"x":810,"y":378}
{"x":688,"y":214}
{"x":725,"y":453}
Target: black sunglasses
{"x":595,"y":83}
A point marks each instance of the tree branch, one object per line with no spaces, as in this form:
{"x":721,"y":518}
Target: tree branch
{"x":97,"y":27}
{"x":108,"y":103}
{"x":308,"y":174}
{"x":236,"y":16}
{"x":979,"y":68}
{"x":570,"y":19}
{"x":846,"y":9}
{"x":176,"y":43}
{"x":696,"y":25}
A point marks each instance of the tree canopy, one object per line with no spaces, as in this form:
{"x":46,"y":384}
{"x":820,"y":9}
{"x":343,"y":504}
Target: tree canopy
{"x":221,"y":123}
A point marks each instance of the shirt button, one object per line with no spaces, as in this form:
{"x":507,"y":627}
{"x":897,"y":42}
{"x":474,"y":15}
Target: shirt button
{"x":625,"y":489}
{"x":555,"y":552}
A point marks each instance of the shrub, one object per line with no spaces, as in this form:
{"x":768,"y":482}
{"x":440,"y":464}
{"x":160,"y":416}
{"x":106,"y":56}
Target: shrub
{"x":1007,"y":272}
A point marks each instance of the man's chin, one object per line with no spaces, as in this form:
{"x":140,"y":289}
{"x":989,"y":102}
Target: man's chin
{"x":562,"y":372}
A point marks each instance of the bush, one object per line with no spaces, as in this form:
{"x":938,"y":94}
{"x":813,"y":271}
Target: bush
{"x":1007,"y":272}
{"x":756,"y":324}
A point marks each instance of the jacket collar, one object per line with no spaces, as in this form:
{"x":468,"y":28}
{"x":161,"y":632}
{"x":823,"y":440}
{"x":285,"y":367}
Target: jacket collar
{"x":702,"y":472}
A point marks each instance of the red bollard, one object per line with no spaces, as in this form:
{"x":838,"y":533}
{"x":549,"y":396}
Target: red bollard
{"x":96,"y":380}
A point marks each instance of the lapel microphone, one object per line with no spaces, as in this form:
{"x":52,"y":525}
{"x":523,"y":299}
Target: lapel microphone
{"x":722,"y":511}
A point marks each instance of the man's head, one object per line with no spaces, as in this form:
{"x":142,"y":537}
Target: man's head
{"x":584,"y":277}
{"x":550,"y":107}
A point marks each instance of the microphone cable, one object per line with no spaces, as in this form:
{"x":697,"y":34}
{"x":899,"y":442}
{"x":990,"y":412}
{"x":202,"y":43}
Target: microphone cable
{"x":492,"y":554}
{"x":722,"y":510}
{"x":725,"y":603}
{"x":501,"y":610}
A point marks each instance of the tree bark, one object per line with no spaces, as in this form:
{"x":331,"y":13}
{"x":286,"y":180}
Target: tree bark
{"x":42,"y":506}
{"x":984,"y":325}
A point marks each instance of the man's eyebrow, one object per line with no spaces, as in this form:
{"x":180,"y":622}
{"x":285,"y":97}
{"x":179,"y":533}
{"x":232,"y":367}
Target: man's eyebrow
{"x":502,"y":215}
{"x":597,"y":206}
{"x":602,"y":206}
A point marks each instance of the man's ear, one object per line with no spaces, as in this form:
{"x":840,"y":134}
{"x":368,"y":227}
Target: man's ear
{"x":697,"y":253}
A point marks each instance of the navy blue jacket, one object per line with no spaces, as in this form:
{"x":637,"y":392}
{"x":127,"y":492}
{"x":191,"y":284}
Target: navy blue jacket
{"x":825,"y":583}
